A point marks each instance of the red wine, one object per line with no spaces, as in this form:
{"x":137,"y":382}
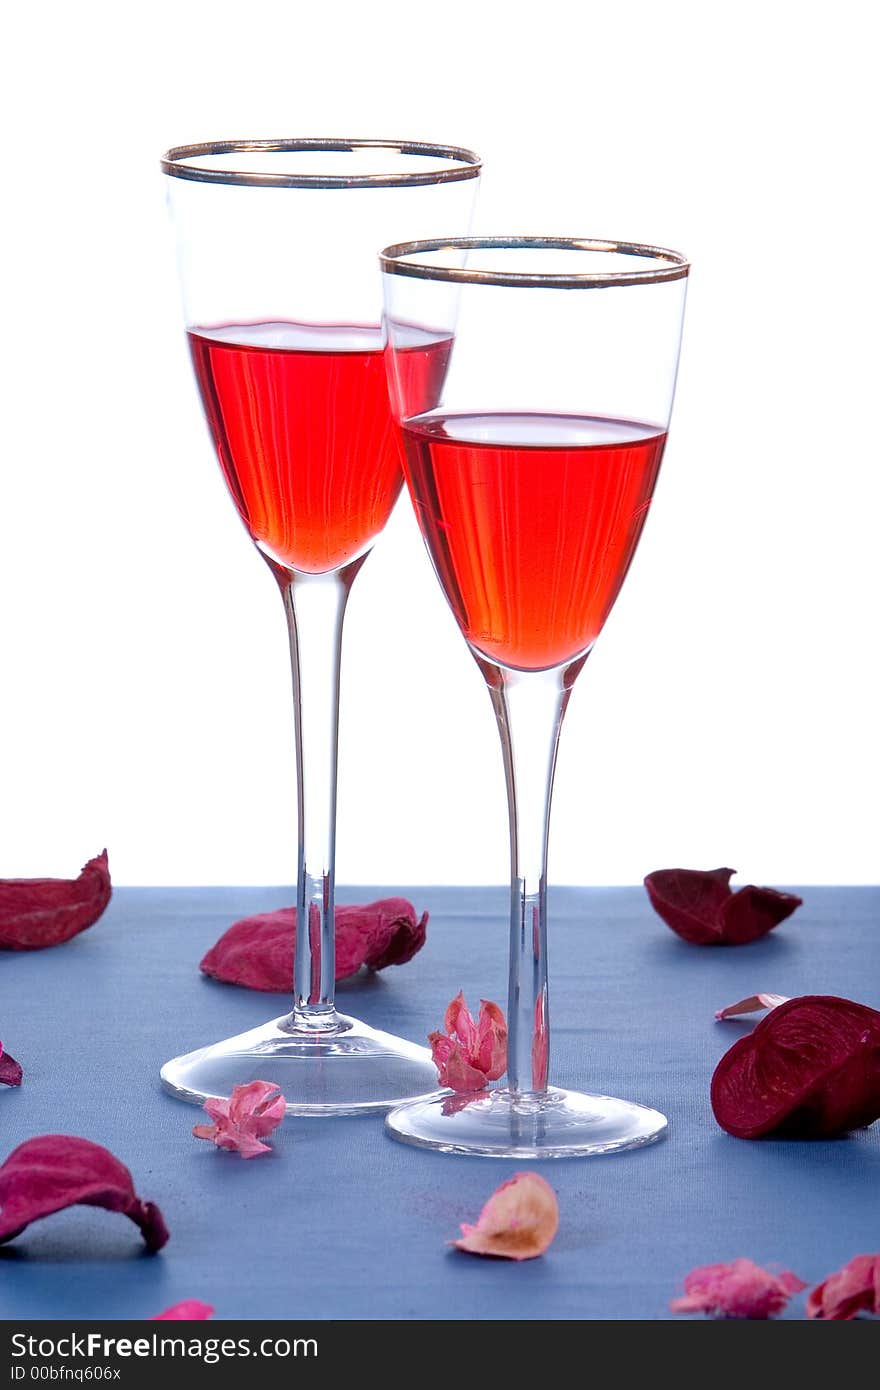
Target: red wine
{"x":301,"y":420}
{"x":531,"y":522}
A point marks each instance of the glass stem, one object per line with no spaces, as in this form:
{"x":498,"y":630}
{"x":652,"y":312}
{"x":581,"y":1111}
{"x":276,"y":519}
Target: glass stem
{"x":529,"y":707}
{"x":315,"y":607}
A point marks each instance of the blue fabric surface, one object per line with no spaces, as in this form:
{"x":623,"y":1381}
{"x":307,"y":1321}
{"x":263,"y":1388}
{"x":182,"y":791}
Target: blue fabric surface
{"x":340,"y":1221}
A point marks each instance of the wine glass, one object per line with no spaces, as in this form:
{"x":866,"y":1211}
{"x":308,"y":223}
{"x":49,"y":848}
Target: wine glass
{"x":277,"y":244}
{"x":531,"y":473}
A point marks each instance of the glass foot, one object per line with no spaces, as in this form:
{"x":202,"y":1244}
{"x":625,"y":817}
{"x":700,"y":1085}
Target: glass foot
{"x":350,"y":1069}
{"x":497,"y":1124}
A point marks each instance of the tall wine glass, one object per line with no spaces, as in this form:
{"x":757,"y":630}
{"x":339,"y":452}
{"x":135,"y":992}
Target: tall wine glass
{"x":531,"y":472}
{"x":277,"y":243}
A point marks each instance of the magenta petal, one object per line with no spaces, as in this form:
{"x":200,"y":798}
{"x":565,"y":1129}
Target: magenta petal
{"x":849,"y":1291}
{"x":740,"y":1289}
{"x":188,"y":1310}
{"x":38,"y":912}
{"x":250,"y":1113}
{"x":10,"y":1070}
{"x":56,"y":1171}
{"x":470,"y":1052}
{"x":700,"y":907}
{"x":257,"y":952}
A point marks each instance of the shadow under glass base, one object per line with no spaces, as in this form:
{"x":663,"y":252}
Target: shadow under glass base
{"x":497,"y":1124}
{"x":351,"y":1069}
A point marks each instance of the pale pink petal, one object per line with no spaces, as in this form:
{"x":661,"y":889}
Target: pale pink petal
{"x":188,"y":1310}
{"x":849,"y":1291}
{"x":753,"y":1005}
{"x":740,"y":1289}
{"x":540,"y":1043}
{"x":518,"y":1222}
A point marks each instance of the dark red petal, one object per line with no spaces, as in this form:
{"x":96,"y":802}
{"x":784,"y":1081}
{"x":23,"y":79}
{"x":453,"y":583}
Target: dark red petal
{"x":699,"y":906}
{"x":258,"y":951}
{"x":37,"y":912}
{"x":56,"y":1171}
{"x":10,"y":1070}
{"x":810,"y":1069}
{"x":400,"y":936}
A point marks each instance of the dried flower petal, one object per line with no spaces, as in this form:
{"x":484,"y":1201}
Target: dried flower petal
{"x":471,"y":1051}
{"x":810,"y":1069}
{"x":250,"y":1113}
{"x":258,"y":951}
{"x":849,"y":1291}
{"x":753,"y":1005}
{"x":10,"y":1071}
{"x":700,"y":906}
{"x":55,"y":1171}
{"x":188,"y":1310}
{"x":740,"y":1289}
{"x":37,"y":912}
{"x":518,"y":1222}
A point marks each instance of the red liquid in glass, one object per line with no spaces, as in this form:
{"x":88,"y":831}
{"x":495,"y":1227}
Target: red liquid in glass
{"x":301,"y":420}
{"x":531,"y":522}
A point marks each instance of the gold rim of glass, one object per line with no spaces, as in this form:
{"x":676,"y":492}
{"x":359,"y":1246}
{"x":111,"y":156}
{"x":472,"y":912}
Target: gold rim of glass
{"x":667,"y":265}
{"x":462,"y":163}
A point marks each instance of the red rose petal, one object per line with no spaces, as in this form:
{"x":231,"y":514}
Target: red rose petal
{"x":56,"y":1171}
{"x":38,"y":912}
{"x":740,"y":1289}
{"x":258,"y":951}
{"x":10,"y":1070}
{"x":810,"y":1069}
{"x":699,"y":905}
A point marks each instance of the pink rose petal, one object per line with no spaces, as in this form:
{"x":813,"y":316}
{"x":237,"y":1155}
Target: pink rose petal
{"x":10,"y":1070}
{"x":849,"y":1291}
{"x":38,"y":912}
{"x":700,"y":906}
{"x":518,"y":1222}
{"x":257,"y":952}
{"x":188,"y":1310}
{"x":56,"y":1171}
{"x":250,"y":1113}
{"x":753,"y":1005}
{"x":471,"y":1051}
{"x":740,"y":1289}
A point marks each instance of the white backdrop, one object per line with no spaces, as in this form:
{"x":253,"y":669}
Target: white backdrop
{"x":729,"y":712}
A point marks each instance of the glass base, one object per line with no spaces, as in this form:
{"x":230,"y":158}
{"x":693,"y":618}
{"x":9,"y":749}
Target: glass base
{"x":349,"y":1069}
{"x":497,"y":1124}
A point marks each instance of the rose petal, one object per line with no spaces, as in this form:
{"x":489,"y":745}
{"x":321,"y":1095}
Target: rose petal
{"x":491,"y":1040}
{"x":10,"y":1071}
{"x":188,"y":1310}
{"x":849,"y":1291}
{"x":250,"y":1113}
{"x":810,"y":1069}
{"x":753,"y":1005}
{"x":470,"y":1052}
{"x":55,"y":1171}
{"x":38,"y":912}
{"x":700,"y":906}
{"x":257,"y":952}
{"x":518,"y":1222}
{"x":740,"y":1289}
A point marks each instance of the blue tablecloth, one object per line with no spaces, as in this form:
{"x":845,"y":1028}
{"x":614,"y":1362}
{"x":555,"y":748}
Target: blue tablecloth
{"x":340,"y":1221}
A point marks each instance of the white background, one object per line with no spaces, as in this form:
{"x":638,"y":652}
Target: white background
{"x":729,"y":712}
